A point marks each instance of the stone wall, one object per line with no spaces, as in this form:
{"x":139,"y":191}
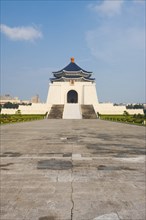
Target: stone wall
{"x":110,"y":109}
{"x":35,"y":108}
{"x":102,"y":108}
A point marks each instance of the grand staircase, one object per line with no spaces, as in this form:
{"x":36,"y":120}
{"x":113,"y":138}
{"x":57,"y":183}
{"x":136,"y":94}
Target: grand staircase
{"x":88,"y":112}
{"x":72,"y":111}
{"x":56,"y":112}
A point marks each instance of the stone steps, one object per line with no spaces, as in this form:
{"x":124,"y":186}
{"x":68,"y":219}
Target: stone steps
{"x":88,"y":112}
{"x":72,"y":111}
{"x":56,"y":112}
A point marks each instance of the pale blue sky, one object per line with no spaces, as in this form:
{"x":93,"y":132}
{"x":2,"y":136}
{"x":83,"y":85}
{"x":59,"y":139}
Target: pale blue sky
{"x":105,"y":36}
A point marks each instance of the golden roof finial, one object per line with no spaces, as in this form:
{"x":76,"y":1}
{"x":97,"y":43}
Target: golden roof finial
{"x":72,"y":59}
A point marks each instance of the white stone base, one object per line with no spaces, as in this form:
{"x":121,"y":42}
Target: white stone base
{"x":35,"y":108}
{"x":73,"y":110}
{"x":110,"y":109}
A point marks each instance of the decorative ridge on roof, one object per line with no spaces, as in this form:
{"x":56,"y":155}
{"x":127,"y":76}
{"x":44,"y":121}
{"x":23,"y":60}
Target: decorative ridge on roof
{"x":72,"y":72}
{"x":66,"y":78}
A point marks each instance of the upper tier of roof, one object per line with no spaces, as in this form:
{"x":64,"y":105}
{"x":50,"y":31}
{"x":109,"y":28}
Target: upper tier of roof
{"x":72,"y":69}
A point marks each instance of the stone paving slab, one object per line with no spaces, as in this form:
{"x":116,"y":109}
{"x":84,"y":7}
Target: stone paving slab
{"x":72,"y":170}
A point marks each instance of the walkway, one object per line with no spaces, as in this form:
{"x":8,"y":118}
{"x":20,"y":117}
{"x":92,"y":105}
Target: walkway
{"x":72,"y":170}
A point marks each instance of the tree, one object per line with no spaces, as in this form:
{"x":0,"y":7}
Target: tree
{"x":18,"y":112}
{"x":10,"y":105}
{"x":125,"y":113}
{"x":138,"y":106}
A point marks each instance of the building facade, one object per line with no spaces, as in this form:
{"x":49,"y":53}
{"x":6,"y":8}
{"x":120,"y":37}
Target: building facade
{"x":72,"y":84}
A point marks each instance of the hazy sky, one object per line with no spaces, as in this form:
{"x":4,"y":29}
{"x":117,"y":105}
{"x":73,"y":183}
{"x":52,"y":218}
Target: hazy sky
{"x":105,"y":36}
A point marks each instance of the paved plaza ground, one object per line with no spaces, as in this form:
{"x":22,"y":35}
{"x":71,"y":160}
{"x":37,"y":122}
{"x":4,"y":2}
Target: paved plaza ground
{"x":72,"y":170}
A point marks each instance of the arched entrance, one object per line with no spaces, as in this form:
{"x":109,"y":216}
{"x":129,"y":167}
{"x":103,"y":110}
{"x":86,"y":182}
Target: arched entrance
{"x":72,"y":96}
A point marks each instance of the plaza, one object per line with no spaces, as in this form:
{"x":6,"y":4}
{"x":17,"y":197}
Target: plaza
{"x":72,"y":170}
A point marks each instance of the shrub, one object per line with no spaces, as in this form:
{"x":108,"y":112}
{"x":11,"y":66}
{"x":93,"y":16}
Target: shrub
{"x":136,"y":119}
{"x":19,"y":118}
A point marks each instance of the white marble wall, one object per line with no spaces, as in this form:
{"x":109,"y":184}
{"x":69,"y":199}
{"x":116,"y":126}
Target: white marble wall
{"x":110,"y":109}
{"x":35,"y":108}
{"x":57,"y":93}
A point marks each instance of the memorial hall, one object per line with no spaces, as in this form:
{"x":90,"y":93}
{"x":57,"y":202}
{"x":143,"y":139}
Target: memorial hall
{"x":72,"y":95}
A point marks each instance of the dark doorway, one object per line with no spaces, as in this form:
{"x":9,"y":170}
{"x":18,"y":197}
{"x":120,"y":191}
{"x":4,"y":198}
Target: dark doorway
{"x":72,"y":96}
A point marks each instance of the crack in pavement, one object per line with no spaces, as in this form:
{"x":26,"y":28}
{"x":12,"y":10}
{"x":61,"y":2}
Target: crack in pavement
{"x":72,"y":208}
{"x":72,"y":200}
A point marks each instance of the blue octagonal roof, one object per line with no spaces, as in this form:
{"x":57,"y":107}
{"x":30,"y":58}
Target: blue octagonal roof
{"x":73,"y":69}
